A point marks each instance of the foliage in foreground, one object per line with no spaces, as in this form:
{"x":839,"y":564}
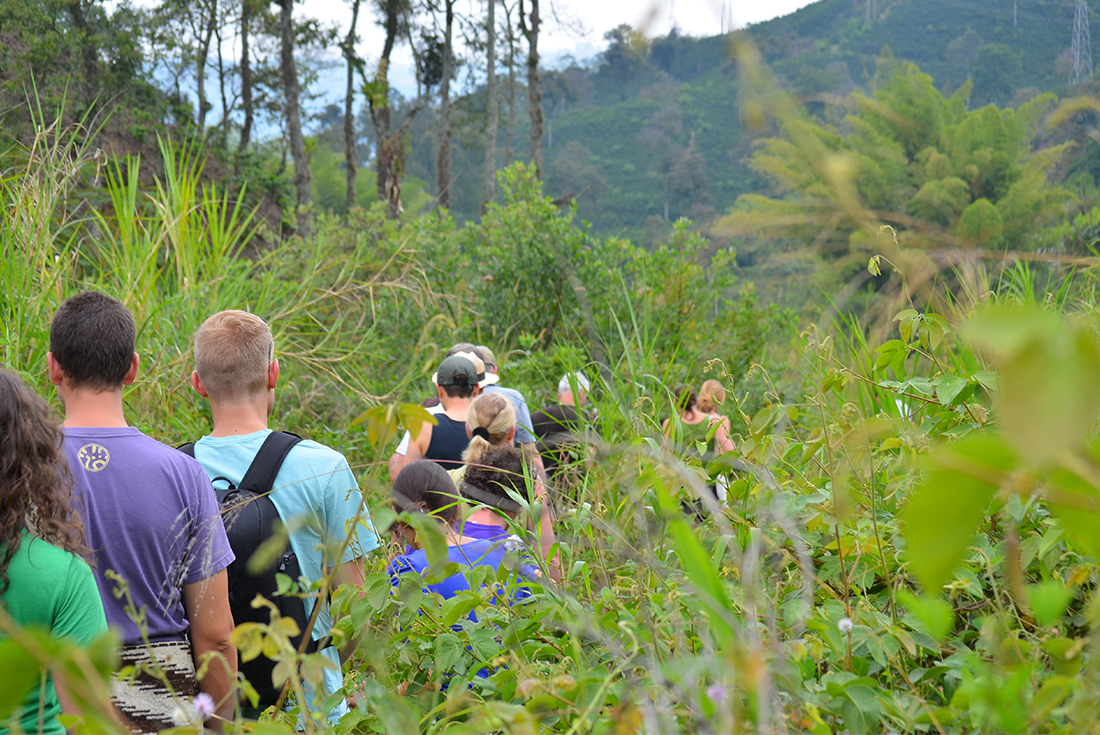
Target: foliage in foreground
{"x":909,"y":542}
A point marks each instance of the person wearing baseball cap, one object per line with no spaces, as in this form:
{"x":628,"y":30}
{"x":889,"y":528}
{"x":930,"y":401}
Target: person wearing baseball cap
{"x":458,"y":379}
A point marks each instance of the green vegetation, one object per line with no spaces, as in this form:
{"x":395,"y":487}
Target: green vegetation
{"x":910,"y":538}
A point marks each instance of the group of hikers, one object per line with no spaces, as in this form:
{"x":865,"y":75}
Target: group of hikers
{"x":103,"y":525}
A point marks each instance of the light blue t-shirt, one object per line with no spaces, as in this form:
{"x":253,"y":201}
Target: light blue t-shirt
{"x":316,"y":496}
{"x":523,"y":414}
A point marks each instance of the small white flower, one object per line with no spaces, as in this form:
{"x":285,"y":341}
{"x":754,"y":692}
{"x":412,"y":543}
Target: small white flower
{"x":179,"y":717}
{"x":513,"y":543}
{"x":845,"y":625}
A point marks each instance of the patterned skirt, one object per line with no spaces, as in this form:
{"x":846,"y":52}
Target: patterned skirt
{"x":160,"y":685}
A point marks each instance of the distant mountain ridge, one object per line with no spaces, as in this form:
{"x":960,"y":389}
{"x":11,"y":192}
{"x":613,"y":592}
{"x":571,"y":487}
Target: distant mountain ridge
{"x":651,"y":131}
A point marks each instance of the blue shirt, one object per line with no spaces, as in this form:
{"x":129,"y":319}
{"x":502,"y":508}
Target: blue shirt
{"x":524,"y":434}
{"x":471,"y":554}
{"x":317,"y":497}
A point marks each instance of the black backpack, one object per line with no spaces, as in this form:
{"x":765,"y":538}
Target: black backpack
{"x":250,"y":519}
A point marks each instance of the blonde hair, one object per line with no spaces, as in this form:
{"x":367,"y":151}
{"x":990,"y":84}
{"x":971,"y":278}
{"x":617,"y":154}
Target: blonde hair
{"x":233,"y":351}
{"x":495,"y":412}
{"x":711,"y":395}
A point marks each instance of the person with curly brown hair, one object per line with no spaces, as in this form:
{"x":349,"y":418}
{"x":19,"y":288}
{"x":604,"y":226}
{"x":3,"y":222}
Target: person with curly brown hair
{"x":43,"y":578}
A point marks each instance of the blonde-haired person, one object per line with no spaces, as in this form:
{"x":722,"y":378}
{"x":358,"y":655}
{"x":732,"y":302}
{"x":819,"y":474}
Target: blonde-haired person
{"x":711,"y":396}
{"x":693,"y":427}
{"x":491,"y":425}
{"x":490,"y":422}
{"x":315,"y":493}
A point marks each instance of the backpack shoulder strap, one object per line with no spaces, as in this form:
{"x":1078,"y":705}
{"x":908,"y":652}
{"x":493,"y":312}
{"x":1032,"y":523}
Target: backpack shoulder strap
{"x":261,"y":474}
{"x":188,"y":449}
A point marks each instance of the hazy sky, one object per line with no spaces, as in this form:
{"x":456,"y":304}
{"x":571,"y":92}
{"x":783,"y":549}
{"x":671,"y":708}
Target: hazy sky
{"x":571,"y":27}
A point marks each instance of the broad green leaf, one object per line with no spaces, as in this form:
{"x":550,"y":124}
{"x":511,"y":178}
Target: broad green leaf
{"x":1065,"y":655}
{"x":396,"y":713}
{"x":1048,"y":601}
{"x":1076,"y":502}
{"x":1052,"y":693}
{"x":248,"y":639}
{"x":1049,"y":395}
{"x":907,"y":319}
{"x":948,"y":388}
{"x":484,"y":644}
{"x":21,"y":675}
{"x":933,"y":615}
{"x":958,"y":483}
{"x":448,"y":650}
{"x":887,"y":351}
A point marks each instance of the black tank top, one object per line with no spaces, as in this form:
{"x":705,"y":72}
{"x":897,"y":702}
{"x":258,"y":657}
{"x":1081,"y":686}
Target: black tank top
{"x":448,"y":442}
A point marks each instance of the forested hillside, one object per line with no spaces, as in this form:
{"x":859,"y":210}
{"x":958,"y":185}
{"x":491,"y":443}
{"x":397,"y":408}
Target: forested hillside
{"x":651,"y":130}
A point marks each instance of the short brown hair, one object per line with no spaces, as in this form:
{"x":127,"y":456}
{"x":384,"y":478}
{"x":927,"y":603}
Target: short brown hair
{"x":92,"y":338}
{"x":233,"y":351}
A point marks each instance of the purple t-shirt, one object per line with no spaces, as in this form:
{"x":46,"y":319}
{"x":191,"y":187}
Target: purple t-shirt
{"x":484,"y":532}
{"x":469,"y":529}
{"x":150,"y":516}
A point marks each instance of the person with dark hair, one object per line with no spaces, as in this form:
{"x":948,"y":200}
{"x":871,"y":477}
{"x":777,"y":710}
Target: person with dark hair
{"x":44,"y":579}
{"x":459,"y":378}
{"x":150,"y":518}
{"x":487,"y":484}
{"x":424,"y":487}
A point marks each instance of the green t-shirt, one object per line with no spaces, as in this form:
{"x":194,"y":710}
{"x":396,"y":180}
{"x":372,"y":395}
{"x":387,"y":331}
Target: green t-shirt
{"x":50,"y":587}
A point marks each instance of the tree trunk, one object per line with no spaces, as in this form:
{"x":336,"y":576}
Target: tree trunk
{"x":200,"y":62}
{"x":292,"y":91}
{"x":246,"y":77}
{"x":349,"y":113}
{"x":89,"y":55}
{"x":510,"y":130}
{"x":224,"y":123}
{"x":386,"y":157}
{"x":443,"y":158}
{"x":488,"y":184}
{"x":530,"y":27}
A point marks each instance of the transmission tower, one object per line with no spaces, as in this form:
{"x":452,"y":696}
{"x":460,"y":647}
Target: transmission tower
{"x":671,"y":15}
{"x":727,"y":18}
{"x":1082,"y":45}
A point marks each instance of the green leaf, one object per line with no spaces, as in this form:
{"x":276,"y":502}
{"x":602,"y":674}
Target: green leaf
{"x":933,"y":615}
{"x":484,"y":644}
{"x":21,"y":675}
{"x":888,"y":351}
{"x":1076,"y":502}
{"x":1065,"y":655}
{"x":697,"y":565}
{"x":1049,"y":395}
{"x":1051,"y":693}
{"x":948,"y":388}
{"x":907,"y":319}
{"x":958,"y":483}
{"x":448,"y":651}
{"x":1048,"y":601}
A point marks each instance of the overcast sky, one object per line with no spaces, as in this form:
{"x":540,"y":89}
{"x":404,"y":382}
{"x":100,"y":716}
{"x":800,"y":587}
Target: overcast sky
{"x":571,"y":27}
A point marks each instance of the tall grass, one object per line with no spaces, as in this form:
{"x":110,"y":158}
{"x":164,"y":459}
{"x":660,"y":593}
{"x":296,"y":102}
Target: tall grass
{"x":793,"y":608}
